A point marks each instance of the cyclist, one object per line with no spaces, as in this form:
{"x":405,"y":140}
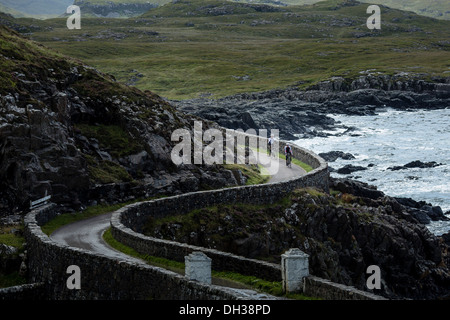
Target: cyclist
{"x":270,"y":142}
{"x":288,"y":153}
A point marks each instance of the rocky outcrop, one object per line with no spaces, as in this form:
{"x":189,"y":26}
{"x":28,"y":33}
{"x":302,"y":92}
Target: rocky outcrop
{"x":334,"y":155}
{"x":74,"y":133}
{"x":416,"y":164}
{"x":303,"y":113}
{"x":343,"y":235}
{"x":113,"y":9}
{"x":10,"y":260}
{"x":411,"y":210}
{"x":412,"y":261}
{"x":349,"y":168}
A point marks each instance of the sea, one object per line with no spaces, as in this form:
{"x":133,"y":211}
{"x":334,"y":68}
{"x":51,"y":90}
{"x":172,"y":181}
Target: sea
{"x":394,"y":138}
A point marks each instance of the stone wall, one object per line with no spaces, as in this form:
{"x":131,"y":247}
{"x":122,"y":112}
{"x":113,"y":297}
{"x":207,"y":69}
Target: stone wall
{"x":32,"y":291}
{"x":115,"y":279}
{"x":134,"y":216}
{"x":108,"y":278}
{"x":127,"y":223}
{"x":104,"y":277}
{"x":325,"y":289}
{"x":221,"y":261}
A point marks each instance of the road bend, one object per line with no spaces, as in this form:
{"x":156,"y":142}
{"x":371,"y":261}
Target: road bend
{"x":88,"y":234}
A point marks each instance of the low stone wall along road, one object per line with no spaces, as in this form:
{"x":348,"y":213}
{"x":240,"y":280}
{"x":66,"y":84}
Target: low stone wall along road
{"x":87,"y":234}
{"x":112,"y":275}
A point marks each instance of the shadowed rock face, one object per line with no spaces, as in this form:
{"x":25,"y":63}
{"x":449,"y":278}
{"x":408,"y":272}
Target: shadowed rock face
{"x":343,"y":235}
{"x":70,"y":131}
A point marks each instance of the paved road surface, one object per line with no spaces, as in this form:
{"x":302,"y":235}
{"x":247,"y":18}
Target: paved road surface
{"x":278,"y":170}
{"x":87,"y":234}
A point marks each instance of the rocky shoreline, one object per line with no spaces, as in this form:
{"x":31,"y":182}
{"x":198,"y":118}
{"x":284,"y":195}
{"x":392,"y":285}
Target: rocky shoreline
{"x":304,"y":113}
{"x":422,"y":211}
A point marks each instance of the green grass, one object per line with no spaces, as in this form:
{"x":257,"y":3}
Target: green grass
{"x":297,"y":162}
{"x":12,"y":239}
{"x":16,"y":240}
{"x":255,"y":175}
{"x":195,"y":54}
{"x":437,"y":8}
{"x":172,"y":265}
{"x":112,"y":138}
{"x":10,"y":280}
{"x":104,"y":171}
{"x":20,"y":55}
{"x":215,"y":217}
{"x":67,"y":218}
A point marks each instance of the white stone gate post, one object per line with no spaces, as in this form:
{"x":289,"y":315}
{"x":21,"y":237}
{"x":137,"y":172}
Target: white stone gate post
{"x":294,"y":267}
{"x":198,"y":267}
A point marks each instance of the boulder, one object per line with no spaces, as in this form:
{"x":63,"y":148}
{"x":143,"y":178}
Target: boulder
{"x":357,"y":188}
{"x":10,"y":259}
{"x":415,"y":164}
{"x":347,"y":169}
{"x":305,"y":113}
{"x":332,"y":156}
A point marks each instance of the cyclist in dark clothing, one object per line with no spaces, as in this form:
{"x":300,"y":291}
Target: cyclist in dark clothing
{"x":288,"y":153}
{"x":270,"y":143}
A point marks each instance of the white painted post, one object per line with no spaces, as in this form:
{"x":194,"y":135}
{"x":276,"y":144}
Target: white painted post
{"x":294,"y":267}
{"x":198,"y":267}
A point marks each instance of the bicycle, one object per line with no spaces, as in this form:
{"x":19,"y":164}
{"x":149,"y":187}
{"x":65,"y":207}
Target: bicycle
{"x":289,"y":160}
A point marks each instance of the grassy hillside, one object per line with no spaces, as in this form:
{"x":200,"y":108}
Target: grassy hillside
{"x":104,"y":2}
{"x":10,"y":11}
{"x":216,"y":48}
{"x":44,"y":9}
{"x":50,"y":8}
{"x":432,"y":8}
{"x":36,"y":8}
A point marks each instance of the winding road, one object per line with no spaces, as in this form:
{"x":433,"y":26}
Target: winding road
{"x":88,"y":234}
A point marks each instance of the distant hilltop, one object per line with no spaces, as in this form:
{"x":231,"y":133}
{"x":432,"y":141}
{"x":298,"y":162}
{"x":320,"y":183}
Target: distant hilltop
{"x":439,"y":9}
{"x":36,"y":9}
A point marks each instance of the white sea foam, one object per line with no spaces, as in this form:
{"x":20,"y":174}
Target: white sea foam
{"x":395,"y":138}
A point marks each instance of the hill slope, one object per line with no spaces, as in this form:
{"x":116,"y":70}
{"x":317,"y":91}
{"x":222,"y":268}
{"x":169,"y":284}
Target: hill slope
{"x":77,"y":134}
{"x":114,"y":8}
{"x":117,"y":8}
{"x":37,"y":8}
{"x":432,"y":8}
{"x":439,"y":9}
{"x":217,"y":48}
